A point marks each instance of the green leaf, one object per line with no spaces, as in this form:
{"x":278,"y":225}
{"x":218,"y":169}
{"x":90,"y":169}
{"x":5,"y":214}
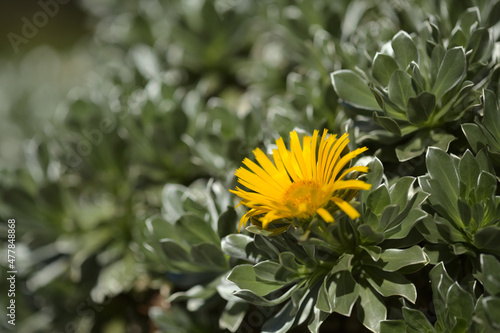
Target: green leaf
{"x":172,"y":201}
{"x":226,"y":223}
{"x":411,"y":149}
{"x":317,"y":319}
{"x":233,"y":315}
{"x":417,"y":320}
{"x":209,"y":255}
{"x":486,"y":186}
{"x":193,"y":229}
{"x":193,"y":207}
{"x":469,"y":170}
{"x":400,"y":88}
{"x":418,"y":79}
{"x":388,"y":123}
{"x":378,"y":199}
{"x":407,"y":221}
{"x":441,"y":283}
{"x":451,"y":71}
{"x":371,"y":310}
{"x":392,"y":260}
{"x":354,"y":13}
{"x":490,"y":267}
{"x":437,"y":57}
{"x":195,"y":294}
{"x":373,"y":251}
{"x":421,"y":141}
{"x":441,"y":168}
{"x":174,"y":251}
{"x":493,"y":14}
{"x":484,"y":161}
{"x":400,"y":190}
{"x":383,"y":67}
{"x":460,"y":248}
{"x":388,"y":217}
{"x":353,"y":90}
{"x":474,"y":136}
{"x":244,"y":276}
{"x":487,"y":239}
{"x":477,"y":213}
{"x":266,"y":270}
{"x":390,"y":283}
{"x":393,"y":326}
{"x":252,"y":298}
{"x":439,"y":230}
{"x":405,"y":49}
{"x":287,"y":260}
{"x":491,"y":306}
{"x":157,"y":228}
{"x":343,"y":263}
{"x":368,"y":235}
{"x":324,"y":301}
{"x":481,"y":45}
{"x":438,"y":253}
{"x":346,"y":293}
{"x":459,"y":303}
{"x":420,"y":107}
{"x":282,"y":321}
{"x":455,"y":109}
{"x":235,"y":245}
{"x":444,"y":203}
{"x":378,"y":97}
{"x":468,"y":18}
{"x":491,"y":118}
{"x":440,"y":139}
{"x":465,"y":212}
{"x":458,"y":38}
{"x":374,"y":177}
{"x":265,"y":245}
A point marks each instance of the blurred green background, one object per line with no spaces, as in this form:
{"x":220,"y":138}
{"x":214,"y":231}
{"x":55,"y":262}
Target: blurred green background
{"x":33,"y":66}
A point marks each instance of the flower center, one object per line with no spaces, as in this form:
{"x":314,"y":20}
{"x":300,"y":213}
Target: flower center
{"x":304,"y":197}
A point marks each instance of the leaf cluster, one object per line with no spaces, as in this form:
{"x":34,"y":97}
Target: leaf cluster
{"x":418,"y":89}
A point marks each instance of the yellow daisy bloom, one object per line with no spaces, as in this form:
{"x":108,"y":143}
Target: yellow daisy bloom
{"x":302,"y":181}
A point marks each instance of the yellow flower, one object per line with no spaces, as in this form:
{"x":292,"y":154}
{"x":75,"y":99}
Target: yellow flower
{"x":302,"y":181}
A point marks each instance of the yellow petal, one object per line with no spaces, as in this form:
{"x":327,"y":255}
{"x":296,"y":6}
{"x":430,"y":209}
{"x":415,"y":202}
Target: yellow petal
{"x":325,"y":215}
{"x":287,"y":161}
{"x":243,"y":220}
{"x":298,"y":154}
{"x":344,"y":160}
{"x":323,"y":151}
{"x":358,"y":168}
{"x":352,"y":184}
{"x":333,"y":157}
{"x":313,"y":162}
{"x":346,"y":207}
{"x":262,"y":174}
{"x":257,"y":183}
{"x":281,"y":178}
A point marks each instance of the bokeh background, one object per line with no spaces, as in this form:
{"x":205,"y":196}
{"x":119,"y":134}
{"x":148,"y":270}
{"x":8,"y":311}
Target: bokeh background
{"x":112,"y":112}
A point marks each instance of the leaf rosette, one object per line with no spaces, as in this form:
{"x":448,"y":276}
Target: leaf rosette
{"x":418,"y":89}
